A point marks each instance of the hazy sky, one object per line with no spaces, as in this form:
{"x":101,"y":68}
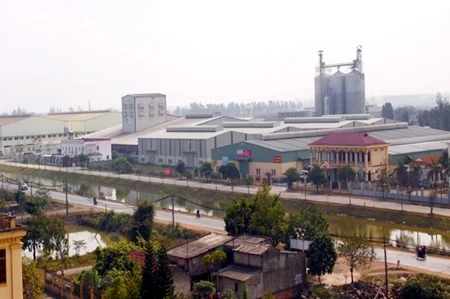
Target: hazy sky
{"x":65,"y":53}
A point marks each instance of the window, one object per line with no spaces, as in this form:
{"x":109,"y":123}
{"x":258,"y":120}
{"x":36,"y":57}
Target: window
{"x":98,"y":148}
{"x":169,"y":161}
{"x":258,"y":171}
{"x":160,"y":160}
{"x":236,"y":287}
{"x":274,"y":172}
{"x":3,"y":266}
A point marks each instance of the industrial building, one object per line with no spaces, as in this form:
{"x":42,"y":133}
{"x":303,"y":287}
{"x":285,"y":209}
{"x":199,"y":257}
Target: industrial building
{"x":337,"y":92}
{"x":44,"y":133}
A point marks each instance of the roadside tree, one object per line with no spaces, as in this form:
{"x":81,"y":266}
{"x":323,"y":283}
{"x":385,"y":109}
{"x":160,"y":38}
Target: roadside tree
{"x":357,"y":252}
{"x":237,"y":216}
{"x":317,"y":177}
{"x":180,"y":168}
{"x":346,"y":174}
{"x":142,"y":221}
{"x":33,"y":284}
{"x":292,"y":176}
{"x":321,"y":255}
{"x":122,"y":165}
{"x":55,"y":241}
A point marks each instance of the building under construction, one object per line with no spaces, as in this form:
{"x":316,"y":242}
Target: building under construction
{"x":340,"y":87}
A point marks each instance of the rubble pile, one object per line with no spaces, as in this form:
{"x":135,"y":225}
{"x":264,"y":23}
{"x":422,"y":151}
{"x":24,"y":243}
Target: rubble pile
{"x":363,"y":290}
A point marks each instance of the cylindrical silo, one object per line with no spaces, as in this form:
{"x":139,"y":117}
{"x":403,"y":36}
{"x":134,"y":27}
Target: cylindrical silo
{"x":321,"y":84}
{"x":355,"y":94}
{"x":337,"y":87}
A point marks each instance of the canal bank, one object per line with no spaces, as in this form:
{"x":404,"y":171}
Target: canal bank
{"x":344,"y":219}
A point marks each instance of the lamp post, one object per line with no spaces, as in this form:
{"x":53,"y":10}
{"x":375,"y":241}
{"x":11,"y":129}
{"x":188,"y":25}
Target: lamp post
{"x":306,"y":179}
{"x":349,"y":194}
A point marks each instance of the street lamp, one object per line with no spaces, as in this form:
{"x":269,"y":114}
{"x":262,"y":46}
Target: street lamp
{"x":349,"y":193}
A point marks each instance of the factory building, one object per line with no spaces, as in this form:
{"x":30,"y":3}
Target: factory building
{"x":44,"y":133}
{"x":338,"y":92}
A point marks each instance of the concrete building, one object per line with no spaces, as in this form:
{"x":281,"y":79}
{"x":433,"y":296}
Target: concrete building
{"x":97,"y":149}
{"x":142,"y":111}
{"x":11,"y":257}
{"x":44,"y":134}
{"x":265,"y":270}
{"x":365,"y":154}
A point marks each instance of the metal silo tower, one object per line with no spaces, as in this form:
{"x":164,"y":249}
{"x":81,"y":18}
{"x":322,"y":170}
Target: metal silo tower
{"x":340,"y":93}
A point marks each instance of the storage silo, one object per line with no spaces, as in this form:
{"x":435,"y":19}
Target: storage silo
{"x":321,"y":84}
{"x":337,"y":90}
{"x":355,"y":94}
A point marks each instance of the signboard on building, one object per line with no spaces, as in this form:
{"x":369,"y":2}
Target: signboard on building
{"x":276,"y":159}
{"x":168,"y":171}
{"x":243,"y":153}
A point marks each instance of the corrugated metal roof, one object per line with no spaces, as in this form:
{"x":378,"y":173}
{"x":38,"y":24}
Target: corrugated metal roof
{"x":256,"y":249}
{"x":199,"y":246}
{"x":238,"y":241}
{"x":78,"y":116}
{"x":5,"y":120}
{"x":237,"y":273}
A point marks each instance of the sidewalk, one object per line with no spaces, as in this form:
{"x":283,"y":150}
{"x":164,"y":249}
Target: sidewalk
{"x":310,"y":195}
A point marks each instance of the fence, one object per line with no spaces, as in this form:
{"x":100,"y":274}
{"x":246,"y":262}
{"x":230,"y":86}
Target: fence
{"x":68,"y":289}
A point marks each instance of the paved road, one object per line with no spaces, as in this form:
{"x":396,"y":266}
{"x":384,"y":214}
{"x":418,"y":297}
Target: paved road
{"x":310,"y":196}
{"x":436,"y":264}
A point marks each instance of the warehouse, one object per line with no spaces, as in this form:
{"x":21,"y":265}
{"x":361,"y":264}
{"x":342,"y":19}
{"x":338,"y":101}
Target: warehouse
{"x":29,"y":133}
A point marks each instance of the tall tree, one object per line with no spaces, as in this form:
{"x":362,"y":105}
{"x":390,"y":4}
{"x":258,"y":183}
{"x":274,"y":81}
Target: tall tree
{"x":267,"y":218}
{"x":346,"y":174}
{"x":37,"y":226}
{"x":237,"y":216}
{"x":321,"y":255}
{"x":317,"y":177}
{"x":149,"y":274}
{"x":33,"y":284}
{"x":180,"y":168}
{"x":164,"y":280}
{"x":292,"y":176}
{"x":230,"y":171}
{"x":55,"y":241}
{"x":357,"y":252}
{"x":143,"y":220}
{"x":213,"y":262}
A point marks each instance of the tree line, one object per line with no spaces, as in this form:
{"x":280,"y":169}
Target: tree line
{"x":241,"y":109}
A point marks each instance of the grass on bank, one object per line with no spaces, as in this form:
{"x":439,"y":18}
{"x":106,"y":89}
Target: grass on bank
{"x":211,"y":198}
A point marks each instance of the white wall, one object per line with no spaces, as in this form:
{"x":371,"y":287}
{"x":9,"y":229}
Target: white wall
{"x":143,"y":112}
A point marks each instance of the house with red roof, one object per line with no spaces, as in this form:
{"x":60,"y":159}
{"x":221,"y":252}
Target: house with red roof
{"x":365,"y":154}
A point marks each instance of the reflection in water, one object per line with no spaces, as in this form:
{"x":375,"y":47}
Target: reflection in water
{"x":90,"y":238}
{"x":398,"y":234}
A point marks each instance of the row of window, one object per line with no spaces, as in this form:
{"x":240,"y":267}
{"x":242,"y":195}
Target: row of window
{"x":42,"y":136}
{"x":273,"y":172}
{"x":341,"y":156}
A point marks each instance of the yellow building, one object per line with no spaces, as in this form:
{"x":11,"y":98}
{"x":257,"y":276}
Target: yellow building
{"x":365,"y":154}
{"x":11,"y":257}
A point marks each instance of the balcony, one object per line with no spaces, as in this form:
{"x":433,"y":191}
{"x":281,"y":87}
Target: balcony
{"x":337,"y":164}
{"x":8,"y":223}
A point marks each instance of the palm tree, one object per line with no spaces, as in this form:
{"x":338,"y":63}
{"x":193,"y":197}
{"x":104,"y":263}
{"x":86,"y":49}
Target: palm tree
{"x":436,"y":169}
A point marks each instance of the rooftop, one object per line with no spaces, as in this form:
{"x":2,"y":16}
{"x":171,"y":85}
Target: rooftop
{"x":237,"y":273}
{"x":137,"y":95}
{"x":8,"y":223}
{"x":78,"y":116}
{"x":348,"y":139}
{"x":238,"y":241}
{"x":199,"y":246}
{"x":255,"y":249}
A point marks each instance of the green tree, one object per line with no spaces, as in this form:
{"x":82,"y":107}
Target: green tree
{"x":206,"y":169}
{"x":180,"y":168}
{"x":384,"y":181}
{"x":292,"y":176}
{"x":78,"y":245}
{"x":248,"y":181}
{"x":317,"y":177}
{"x":143,"y":220}
{"x":33,"y":284}
{"x":56,"y":242}
{"x":122,"y":165}
{"x":346,"y":174}
{"x":402,"y":174}
{"x":435,"y":171}
{"x":149,"y":274}
{"x":311,"y":223}
{"x":357,"y":252}
{"x":115,"y":257}
{"x":267,"y":218}
{"x":123,"y":284}
{"x":66,"y":161}
{"x":387,"y":111}
{"x":230,"y":171}
{"x":164,"y":281}
{"x":432,"y":198}
{"x":213,"y":262}
{"x":425,"y":287}
{"x":203,"y":289}
{"x":34,"y":238}
{"x":83,"y":160}
{"x":321,"y":255}
{"x":237,"y":215}
{"x":90,"y":279}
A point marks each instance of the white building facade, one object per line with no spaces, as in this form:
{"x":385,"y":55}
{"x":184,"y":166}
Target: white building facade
{"x":98,"y":149}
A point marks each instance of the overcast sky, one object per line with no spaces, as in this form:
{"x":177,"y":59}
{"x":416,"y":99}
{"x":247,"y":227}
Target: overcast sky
{"x":66,"y":53}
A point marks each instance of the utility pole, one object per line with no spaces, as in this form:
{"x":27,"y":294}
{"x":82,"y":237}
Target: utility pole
{"x":31,"y":187}
{"x":385,"y":268}
{"x":173,"y":213}
{"x":67,"y":200}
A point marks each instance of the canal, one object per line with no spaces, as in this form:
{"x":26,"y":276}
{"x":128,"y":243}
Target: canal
{"x":404,"y":235}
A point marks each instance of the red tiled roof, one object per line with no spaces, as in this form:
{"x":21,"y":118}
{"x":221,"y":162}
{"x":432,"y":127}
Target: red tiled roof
{"x":427,"y":160}
{"x":348,"y":139}
{"x":139,"y":257}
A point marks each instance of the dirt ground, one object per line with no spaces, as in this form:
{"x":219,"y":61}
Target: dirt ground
{"x":341,"y":273}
